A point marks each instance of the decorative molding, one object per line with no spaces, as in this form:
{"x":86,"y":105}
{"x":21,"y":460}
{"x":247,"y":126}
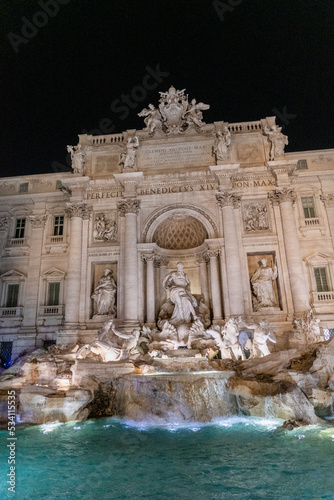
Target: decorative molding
{"x":4,"y":221}
{"x":129,"y":206}
{"x":38,"y":221}
{"x":203,"y":257}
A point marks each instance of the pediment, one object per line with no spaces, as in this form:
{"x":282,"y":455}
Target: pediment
{"x":54,"y":272}
{"x":319,"y":257}
{"x":12,"y":274}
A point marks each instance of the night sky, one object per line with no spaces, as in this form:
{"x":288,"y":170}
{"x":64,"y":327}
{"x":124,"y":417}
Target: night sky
{"x":248,"y":59}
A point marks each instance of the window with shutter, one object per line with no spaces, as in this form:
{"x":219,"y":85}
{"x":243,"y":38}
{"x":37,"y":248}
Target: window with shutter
{"x":321,"y":279}
{"x":53,"y":298}
{"x":12,"y":295}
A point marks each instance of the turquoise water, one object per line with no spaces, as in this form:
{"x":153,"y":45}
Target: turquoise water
{"x":235,"y":458}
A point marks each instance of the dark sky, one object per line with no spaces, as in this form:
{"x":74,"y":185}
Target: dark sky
{"x":248,"y":59}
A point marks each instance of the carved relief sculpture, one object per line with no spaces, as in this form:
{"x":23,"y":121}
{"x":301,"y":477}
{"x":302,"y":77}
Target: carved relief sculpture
{"x":256,"y":216}
{"x":105,"y":293}
{"x":78,"y":159}
{"x":220,"y":148}
{"x":128,"y":156}
{"x":104,"y":229}
{"x":175,"y":114}
{"x":277,"y":139}
{"x":262,"y":286}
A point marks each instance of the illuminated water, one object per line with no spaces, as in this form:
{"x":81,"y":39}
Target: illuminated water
{"x":236,"y":458}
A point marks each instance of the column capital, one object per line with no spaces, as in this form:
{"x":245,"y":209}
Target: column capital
{"x":129,"y":206}
{"x":327,"y":199}
{"x":203,"y":257}
{"x":281,"y":195}
{"x":213,"y":252}
{"x":4,"y":221}
{"x":37,"y":221}
{"x":147,"y":257}
{"x":228,"y":199}
{"x":78,"y":210}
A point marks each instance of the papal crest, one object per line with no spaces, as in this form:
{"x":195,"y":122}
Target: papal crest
{"x":175,"y":114}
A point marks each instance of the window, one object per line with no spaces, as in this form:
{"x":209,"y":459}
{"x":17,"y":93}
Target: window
{"x":58,"y":228}
{"x":53,"y":295}
{"x":20,"y":228}
{"x":321,"y":279}
{"x":24,"y":187}
{"x":308,"y":207}
{"x":12,"y":295}
{"x":6,"y":354}
{"x":301,"y":165}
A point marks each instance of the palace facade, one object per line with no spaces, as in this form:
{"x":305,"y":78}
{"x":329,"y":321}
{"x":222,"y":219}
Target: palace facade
{"x":223,"y":198}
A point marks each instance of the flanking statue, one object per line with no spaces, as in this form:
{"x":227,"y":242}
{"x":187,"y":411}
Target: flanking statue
{"x":263,"y":286}
{"x":222,"y":142}
{"x":107,"y":346}
{"x":105,"y":294}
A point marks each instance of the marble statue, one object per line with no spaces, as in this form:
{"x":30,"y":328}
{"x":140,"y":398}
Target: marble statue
{"x":277,"y":139}
{"x":107,"y":348}
{"x":175,"y":114}
{"x":178,"y":284}
{"x":307,"y":329}
{"x":128,"y":156}
{"x":193,"y":115}
{"x":261,"y":334}
{"x":262,"y":285}
{"x":152,"y":118}
{"x":78,"y":159}
{"x":221,"y":145}
{"x":104,"y":294}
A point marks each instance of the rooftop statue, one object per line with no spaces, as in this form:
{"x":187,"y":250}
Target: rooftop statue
{"x":175,"y":114}
{"x":277,"y":139}
{"x":78,"y":159}
{"x":221,"y":145}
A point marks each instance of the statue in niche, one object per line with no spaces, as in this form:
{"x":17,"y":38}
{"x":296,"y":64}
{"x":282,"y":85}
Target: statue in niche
{"x":107,"y":344}
{"x":152,"y":118}
{"x":104,"y":229}
{"x":221,"y":145}
{"x":256,"y":217}
{"x":105,"y":293}
{"x":178,"y":284}
{"x":128,"y":156}
{"x":77,"y":158}
{"x":262,"y":286}
{"x":277,"y":139}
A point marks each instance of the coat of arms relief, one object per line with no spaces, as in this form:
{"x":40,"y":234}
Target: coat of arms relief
{"x":175,"y":114}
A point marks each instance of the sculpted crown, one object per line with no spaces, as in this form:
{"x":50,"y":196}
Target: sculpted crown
{"x":37,"y":221}
{"x":128,"y":207}
{"x":328,"y":200}
{"x":175,"y":114}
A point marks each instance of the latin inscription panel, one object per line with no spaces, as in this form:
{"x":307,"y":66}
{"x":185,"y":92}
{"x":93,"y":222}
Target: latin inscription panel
{"x":176,"y":155}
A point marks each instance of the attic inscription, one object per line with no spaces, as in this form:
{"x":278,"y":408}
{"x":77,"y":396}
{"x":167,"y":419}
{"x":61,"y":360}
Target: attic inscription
{"x":170,"y":156}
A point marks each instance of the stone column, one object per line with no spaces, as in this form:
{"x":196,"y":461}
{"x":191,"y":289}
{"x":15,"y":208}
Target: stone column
{"x":163,"y":271}
{"x":150,"y":289}
{"x":328,"y":201}
{"x":37,"y":223}
{"x":202,"y":260}
{"x":215,"y":285}
{"x":128,"y":209}
{"x":228,"y":201}
{"x":76,"y":212}
{"x":286,"y":197}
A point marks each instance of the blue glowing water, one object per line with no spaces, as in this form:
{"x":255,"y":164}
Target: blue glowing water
{"x":235,"y":458}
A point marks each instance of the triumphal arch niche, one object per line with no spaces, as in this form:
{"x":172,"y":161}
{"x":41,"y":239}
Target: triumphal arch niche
{"x":181,"y":220}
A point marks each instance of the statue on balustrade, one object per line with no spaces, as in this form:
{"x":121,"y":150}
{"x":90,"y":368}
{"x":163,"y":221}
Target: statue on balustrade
{"x":262,"y":283}
{"x":178,"y":284}
{"x":277,"y":139}
{"x":78,"y":159}
{"x":105,"y":294}
{"x":221,"y":145}
{"x":128,"y":156}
